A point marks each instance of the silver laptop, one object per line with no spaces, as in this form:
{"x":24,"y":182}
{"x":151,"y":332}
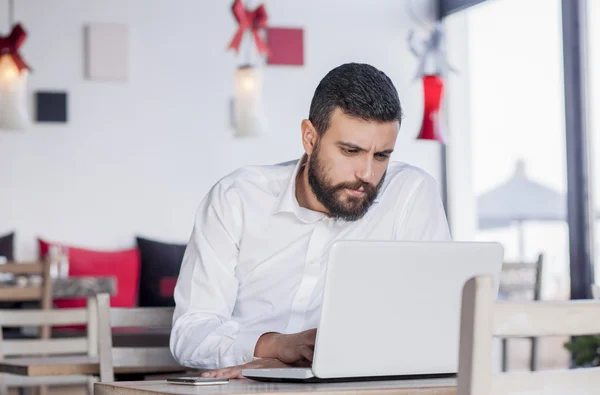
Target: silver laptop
{"x":391,"y":310}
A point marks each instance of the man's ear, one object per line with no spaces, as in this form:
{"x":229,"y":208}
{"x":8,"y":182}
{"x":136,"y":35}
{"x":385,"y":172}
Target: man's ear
{"x":309,"y":136}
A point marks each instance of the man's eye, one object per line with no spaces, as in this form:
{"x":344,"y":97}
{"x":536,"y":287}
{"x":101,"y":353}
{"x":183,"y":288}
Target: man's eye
{"x":382,"y":157}
{"x":349,"y":151}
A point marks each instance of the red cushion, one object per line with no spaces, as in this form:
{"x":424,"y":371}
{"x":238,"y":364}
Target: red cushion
{"x":124,"y":265}
{"x":167,"y":286}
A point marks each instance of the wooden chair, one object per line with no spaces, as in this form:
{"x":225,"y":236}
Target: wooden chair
{"x":482,"y":318}
{"x":522,"y":281}
{"x":142,"y":358}
{"x":596,"y":291}
{"x":49,"y":347}
{"x":41,"y":293}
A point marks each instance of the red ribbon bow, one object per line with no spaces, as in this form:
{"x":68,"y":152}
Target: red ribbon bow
{"x":253,"y":20}
{"x":10,"y":45}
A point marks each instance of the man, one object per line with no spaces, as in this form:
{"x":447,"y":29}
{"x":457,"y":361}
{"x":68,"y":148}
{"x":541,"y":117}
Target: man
{"x":250,"y":287}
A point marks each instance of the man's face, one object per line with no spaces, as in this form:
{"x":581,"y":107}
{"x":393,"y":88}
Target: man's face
{"x":348,"y":164}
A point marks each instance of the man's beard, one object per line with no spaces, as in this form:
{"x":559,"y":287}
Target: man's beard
{"x":352,"y":208}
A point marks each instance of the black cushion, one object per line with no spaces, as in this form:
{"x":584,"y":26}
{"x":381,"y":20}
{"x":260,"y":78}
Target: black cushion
{"x":7,"y":246}
{"x":160,"y":263}
{"x":7,"y":250}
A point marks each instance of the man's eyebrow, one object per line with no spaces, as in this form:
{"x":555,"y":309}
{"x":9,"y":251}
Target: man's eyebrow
{"x":351,"y":146}
{"x":358,"y":148}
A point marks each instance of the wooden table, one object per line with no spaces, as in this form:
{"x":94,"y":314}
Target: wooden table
{"x":62,"y":288}
{"x":245,"y":386}
{"x":69,"y":365}
{"x":82,"y":287}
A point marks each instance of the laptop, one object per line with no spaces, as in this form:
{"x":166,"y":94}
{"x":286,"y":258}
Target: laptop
{"x":391,"y":310}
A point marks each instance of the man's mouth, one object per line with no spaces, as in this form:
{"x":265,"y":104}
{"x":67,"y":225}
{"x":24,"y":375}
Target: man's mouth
{"x":360,"y":192}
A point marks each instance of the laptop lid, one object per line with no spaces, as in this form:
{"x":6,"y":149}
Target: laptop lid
{"x":393,"y":308}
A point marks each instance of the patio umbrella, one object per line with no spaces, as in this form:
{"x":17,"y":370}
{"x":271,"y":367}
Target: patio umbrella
{"x":518,"y":200}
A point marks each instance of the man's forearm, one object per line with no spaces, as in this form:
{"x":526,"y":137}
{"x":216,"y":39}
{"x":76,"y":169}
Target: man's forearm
{"x":288,"y":348}
{"x":267,"y":345}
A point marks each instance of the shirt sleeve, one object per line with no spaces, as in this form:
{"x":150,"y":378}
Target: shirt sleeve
{"x":204,"y":335}
{"x":424,"y":217}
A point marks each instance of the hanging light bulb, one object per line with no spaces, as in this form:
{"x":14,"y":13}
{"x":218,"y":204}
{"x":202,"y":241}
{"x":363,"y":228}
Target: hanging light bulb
{"x":249,"y":119}
{"x":13,"y":82}
{"x":13,"y":88}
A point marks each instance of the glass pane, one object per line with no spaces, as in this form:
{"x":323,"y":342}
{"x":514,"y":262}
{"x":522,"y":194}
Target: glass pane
{"x":519,"y":156}
{"x":593,"y":8}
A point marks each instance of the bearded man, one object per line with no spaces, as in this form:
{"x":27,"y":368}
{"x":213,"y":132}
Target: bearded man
{"x":251,"y":282}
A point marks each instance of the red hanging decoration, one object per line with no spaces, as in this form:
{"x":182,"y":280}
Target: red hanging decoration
{"x":253,"y":20}
{"x":433,"y":66}
{"x":433,"y":87}
{"x":9,"y":45}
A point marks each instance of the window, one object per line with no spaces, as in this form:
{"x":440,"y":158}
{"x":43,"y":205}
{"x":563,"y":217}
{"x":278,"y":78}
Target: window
{"x":515,"y":77}
{"x":593,"y":13}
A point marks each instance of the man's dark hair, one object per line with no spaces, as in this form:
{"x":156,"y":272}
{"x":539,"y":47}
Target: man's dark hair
{"x":359,"y":90}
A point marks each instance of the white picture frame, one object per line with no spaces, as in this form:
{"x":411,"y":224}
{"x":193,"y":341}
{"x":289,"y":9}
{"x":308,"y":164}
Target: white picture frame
{"x":107,"y":52}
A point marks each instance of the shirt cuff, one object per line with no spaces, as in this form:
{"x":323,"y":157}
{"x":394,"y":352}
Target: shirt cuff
{"x":245,"y":344}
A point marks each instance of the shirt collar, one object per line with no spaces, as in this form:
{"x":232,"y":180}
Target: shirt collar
{"x":287,"y":197}
{"x":287,"y":202}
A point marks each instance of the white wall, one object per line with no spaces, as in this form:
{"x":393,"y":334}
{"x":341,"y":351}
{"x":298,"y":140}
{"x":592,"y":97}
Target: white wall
{"x":138,"y":157}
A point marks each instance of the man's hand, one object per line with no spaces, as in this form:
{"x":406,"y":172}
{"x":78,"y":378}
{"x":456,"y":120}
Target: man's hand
{"x":235,"y":372}
{"x":287,"y":348}
{"x":276,"y":351}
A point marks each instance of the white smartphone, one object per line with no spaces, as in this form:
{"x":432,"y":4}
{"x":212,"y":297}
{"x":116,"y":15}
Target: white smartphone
{"x":197,"y":380}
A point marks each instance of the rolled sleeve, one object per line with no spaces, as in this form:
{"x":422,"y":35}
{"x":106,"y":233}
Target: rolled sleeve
{"x":204,"y":334}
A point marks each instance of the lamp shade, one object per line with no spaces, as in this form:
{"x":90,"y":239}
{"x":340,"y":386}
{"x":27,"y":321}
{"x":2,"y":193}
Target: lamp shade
{"x":13,"y":88}
{"x":249,"y":119}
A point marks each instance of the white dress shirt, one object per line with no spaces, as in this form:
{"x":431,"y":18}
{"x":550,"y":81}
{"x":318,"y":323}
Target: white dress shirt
{"x":256,"y":260}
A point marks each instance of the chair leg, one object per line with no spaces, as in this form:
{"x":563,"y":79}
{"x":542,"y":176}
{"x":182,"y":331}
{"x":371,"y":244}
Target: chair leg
{"x":3,"y":387}
{"x":504,"y":354}
{"x":533,"y":362}
{"x":90,"y":384}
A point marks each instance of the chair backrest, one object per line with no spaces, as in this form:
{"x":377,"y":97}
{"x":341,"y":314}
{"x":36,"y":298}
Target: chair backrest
{"x":482,"y":318}
{"x":140,"y":357}
{"x":519,"y":279}
{"x":85,"y":344}
{"x":596,"y":291}
{"x":19,"y":293}
{"x":40,"y":292}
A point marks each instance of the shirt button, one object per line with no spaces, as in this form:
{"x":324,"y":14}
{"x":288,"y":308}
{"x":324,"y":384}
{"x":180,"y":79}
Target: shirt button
{"x":314,"y":261}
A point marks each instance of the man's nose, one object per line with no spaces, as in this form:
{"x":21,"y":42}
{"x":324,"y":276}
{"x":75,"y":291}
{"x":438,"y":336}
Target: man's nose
{"x":365,"y":173}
